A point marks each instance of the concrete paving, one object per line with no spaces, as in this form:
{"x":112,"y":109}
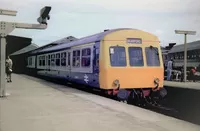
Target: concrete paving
{"x":37,"y":105}
{"x":188,"y":85}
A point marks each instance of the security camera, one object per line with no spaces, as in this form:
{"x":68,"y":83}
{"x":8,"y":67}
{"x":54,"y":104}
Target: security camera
{"x":44,"y":15}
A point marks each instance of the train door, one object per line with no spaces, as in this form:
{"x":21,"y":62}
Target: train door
{"x":35,"y":69}
{"x":96,"y":60}
{"x":68,"y":64}
{"x":48,"y":62}
{"x":52,"y":63}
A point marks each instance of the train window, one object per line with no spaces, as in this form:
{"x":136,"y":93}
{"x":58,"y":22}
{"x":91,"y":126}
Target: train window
{"x":117,"y":56}
{"x":63,"y":59}
{"x":85,"y":59}
{"x":40,"y":60}
{"x":152,"y":56}
{"x":49,"y":60}
{"x":135,"y":56}
{"x":69,"y":60}
{"x":43,"y":60}
{"x":58,"y":59}
{"x":53,"y":60}
{"x":76,"y":58}
{"x":30,"y":61}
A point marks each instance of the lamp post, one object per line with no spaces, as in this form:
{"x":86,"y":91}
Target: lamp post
{"x":8,"y":27}
{"x":185,"y":48}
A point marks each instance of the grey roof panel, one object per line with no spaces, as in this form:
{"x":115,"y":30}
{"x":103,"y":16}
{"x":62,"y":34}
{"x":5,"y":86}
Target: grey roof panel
{"x":190,"y":46}
{"x":65,"y":40}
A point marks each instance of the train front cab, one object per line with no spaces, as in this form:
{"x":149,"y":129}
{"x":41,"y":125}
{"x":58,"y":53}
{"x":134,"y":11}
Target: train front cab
{"x":131,"y":62}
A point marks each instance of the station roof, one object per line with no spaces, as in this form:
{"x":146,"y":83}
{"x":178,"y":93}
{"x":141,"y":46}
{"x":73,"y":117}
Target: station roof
{"x":15,"y":43}
{"x":43,"y":47}
{"x":25,"y":49}
{"x":190,"y":46}
{"x":61,"y":41}
{"x":88,"y":39}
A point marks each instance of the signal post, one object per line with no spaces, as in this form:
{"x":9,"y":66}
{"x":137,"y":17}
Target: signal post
{"x":8,"y":27}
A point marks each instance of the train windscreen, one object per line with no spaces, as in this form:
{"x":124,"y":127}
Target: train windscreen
{"x":117,"y":56}
{"x":135,"y":56}
{"x":152,"y":56}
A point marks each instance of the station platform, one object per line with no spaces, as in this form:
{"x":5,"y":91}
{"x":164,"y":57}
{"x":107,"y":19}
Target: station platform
{"x":38,"y":105}
{"x":188,"y":85}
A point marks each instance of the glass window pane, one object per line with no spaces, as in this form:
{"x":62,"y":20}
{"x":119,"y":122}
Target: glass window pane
{"x":57,"y":62}
{"x":74,"y":53}
{"x":117,"y":56}
{"x":63,"y":62}
{"x":88,"y":51}
{"x":63,"y":55}
{"x":152,"y":56}
{"x":74,"y":62}
{"x":78,"y":53}
{"x":85,"y":62}
{"x":84,"y":52}
{"x":135,"y":56}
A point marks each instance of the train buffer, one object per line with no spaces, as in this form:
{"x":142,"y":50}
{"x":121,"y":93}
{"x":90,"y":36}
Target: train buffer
{"x":38,"y":105}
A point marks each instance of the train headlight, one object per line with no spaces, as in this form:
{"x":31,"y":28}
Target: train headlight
{"x":116,"y":83}
{"x":156,"y":81}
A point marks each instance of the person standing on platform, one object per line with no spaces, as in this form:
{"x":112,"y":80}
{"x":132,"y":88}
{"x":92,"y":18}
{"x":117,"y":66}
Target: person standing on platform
{"x":192,"y":74}
{"x":9,"y":64}
{"x":169,"y":69}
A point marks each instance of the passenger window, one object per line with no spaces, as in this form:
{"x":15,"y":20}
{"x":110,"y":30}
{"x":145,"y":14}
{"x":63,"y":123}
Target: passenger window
{"x":58,"y":59}
{"x":76,"y":58}
{"x":43,"y":60}
{"x":135,"y":56}
{"x":85,"y":59}
{"x":152,"y":56}
{"x":49,"y":60}
{"x":40,"y":60}
{"x":30,"y":61}
{"x":63,"y":59}
{"x":117,"y":56}
{"x":53,"y":60}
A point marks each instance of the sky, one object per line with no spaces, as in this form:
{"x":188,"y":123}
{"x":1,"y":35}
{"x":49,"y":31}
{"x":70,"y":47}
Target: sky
{"x":80,"y":18}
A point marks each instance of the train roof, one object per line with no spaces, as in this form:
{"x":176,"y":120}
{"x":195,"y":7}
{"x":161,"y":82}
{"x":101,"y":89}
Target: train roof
{"x":84,"y":40}
{"x":190,"y":46}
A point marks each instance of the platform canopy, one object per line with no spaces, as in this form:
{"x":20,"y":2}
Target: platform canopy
{"x":15,"y":43}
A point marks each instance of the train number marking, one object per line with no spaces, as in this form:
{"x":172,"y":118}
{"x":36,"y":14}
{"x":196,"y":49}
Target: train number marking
{"x":86,"y":78}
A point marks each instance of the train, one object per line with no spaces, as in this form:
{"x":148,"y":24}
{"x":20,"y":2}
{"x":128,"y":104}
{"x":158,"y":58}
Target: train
{"x":125,"y":63}
{"x":193,"y":55}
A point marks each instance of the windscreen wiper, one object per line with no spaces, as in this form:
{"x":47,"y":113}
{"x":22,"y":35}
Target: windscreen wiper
{"x":151,"y":47}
